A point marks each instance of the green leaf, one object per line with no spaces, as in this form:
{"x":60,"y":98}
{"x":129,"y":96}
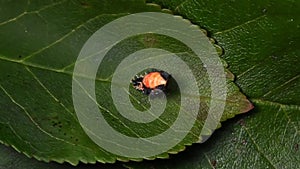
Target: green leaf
{"x":40,"y":42}
{"x":10,"y":159}
{"x":249,"y":141}
{"x":261,"y":42}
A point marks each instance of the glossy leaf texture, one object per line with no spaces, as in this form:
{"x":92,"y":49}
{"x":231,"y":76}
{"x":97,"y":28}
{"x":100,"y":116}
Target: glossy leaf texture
{"x":261,"y":40}
{"x":10,"y":159}
{"x":40,"y":42}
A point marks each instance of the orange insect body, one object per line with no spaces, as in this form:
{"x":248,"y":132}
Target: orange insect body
{"x":154,"y":79}
{"x":152,"y":82}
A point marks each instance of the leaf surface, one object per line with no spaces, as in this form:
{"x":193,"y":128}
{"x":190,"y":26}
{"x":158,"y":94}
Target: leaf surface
{"x":261,"y":43}
{"x":39,"y":46}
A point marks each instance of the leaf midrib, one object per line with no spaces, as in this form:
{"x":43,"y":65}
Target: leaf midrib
{"x":107,"y":81}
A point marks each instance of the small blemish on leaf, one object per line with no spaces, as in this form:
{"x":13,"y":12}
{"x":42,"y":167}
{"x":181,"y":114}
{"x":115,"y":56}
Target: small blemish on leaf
{"x":244,"y":142}
{"x":85,"y":4}
{"x":149,"y":40}
{"x":296,"y":147}
{"x":20,"y":56}
{"x":54,"y":123}
{"x":242,"y":122}
{"x":273,"y":57}
{"x":234,"y":140}
{"x":213,"y":163}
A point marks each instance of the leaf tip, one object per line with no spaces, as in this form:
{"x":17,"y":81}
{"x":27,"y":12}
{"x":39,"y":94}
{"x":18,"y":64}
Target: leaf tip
{"x":248,"y":106}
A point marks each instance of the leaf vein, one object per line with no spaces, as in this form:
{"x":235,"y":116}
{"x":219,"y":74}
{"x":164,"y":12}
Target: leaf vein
{"x":282,"y":85}
{"x":22,"y":139}
{"x":290,"y":121}
{"x":246,"y":71}
{"x":242,"y":24}
{"x":104,"y":109}
{"x":49,"y":92}
{"x":35,"y":123}
{"x":258,"y":149}
{"x":283,"y":107}
{"x":45,"y":68}
{"x":209,"y":162}
{"x":179,"y":5}
{"x":62,"y":38}
{"x":30,"y":12}
{"x":267,"y":102}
